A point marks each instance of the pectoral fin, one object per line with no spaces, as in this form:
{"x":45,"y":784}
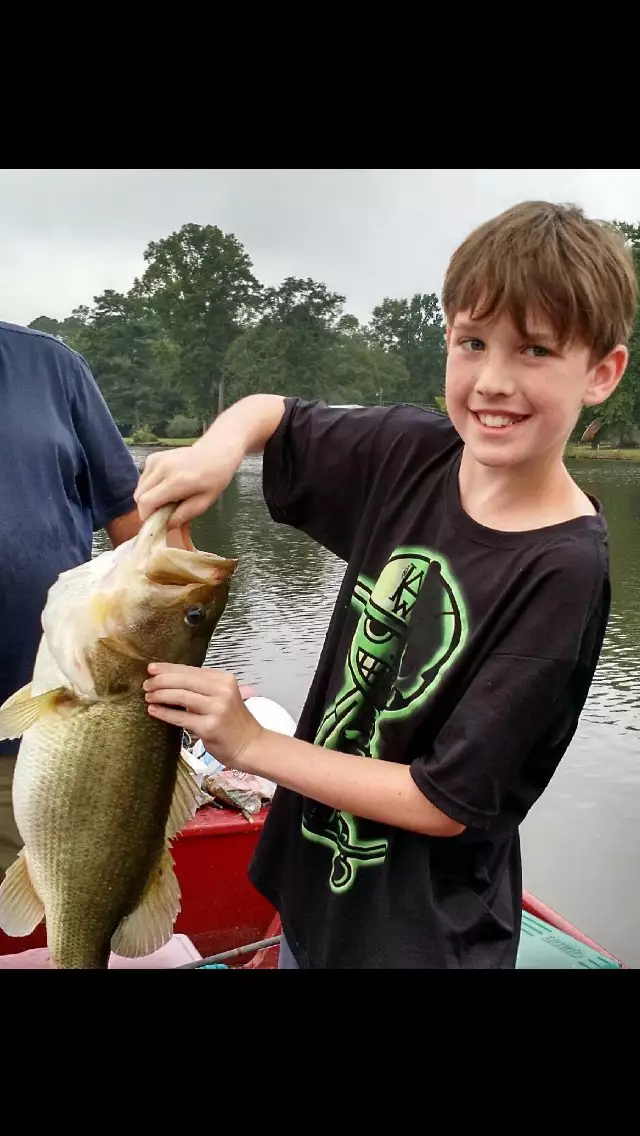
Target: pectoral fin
{"x":21,"y":909}
{"x":20,"y":712}
{"x":150,"y":926}
{"x":186,"y":800}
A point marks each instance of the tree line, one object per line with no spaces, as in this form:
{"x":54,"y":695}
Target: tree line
{"x":198,"y":330}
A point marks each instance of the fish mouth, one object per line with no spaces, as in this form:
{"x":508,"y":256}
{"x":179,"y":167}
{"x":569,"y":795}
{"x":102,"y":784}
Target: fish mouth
{"x":169,"y":557}
{"x":181,"y":538}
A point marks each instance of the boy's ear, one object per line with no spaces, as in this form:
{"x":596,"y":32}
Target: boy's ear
{"x":605,"y":376}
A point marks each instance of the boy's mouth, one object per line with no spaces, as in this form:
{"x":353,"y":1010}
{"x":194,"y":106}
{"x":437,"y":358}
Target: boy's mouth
{"x":498,"y":421}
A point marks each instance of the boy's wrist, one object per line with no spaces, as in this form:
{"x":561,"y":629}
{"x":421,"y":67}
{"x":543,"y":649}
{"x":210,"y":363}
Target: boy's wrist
{"x":220,"y":442}
{"x":250,"y":755}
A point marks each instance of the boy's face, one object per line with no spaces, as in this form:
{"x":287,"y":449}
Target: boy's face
{"x":515,"y":401}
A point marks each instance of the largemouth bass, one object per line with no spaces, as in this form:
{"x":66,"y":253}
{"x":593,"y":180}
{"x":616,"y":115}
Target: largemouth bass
{"x":100,"y":788}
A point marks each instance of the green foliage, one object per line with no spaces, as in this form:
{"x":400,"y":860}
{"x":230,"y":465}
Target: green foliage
{"x":69,"y":329}
{"x":414,"y":331}
{"x":621,"y":413}
{"x":182,"y":427}
{"x":143,"y":436}
{"x":200,"y":286}
{"x":46,"y":324}
{"x":364,"y":373}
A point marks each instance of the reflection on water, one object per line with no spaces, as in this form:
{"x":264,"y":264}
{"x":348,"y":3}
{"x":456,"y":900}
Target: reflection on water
{"x":581,"y":843}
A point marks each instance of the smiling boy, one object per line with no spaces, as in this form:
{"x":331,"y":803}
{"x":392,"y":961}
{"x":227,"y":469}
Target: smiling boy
{"x":469,"y":623}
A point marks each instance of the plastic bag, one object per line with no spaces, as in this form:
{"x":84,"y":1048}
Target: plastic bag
{"x":230,"y":787}
{"x":237,"y":790}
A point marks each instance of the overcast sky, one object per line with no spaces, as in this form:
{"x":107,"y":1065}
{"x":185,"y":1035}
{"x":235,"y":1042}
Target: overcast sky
{"x":66,"y":235}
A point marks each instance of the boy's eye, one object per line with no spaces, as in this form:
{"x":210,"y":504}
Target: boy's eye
{"x":472,"y":344}
{"x":537,"y":352}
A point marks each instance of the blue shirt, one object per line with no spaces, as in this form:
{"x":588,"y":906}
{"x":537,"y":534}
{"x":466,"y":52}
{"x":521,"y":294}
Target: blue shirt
{"x":65,"y":472}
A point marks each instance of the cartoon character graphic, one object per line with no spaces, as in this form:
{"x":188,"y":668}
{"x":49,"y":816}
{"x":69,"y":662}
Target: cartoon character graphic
{"x":412,"y":627}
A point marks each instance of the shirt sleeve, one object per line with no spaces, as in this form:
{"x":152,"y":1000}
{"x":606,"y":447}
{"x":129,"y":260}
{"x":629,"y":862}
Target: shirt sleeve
{"x":509,"y":731}
{"x":109,"y":475}
{"x":324,"y":465}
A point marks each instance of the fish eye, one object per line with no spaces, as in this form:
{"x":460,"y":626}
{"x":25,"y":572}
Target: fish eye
{"x":193,"y":616}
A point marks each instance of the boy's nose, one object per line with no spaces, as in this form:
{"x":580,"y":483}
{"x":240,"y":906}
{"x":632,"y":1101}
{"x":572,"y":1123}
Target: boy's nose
{"x":494,"y":381}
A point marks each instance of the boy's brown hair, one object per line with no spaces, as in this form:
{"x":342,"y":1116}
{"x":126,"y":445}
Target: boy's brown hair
{"x":551,"y":259}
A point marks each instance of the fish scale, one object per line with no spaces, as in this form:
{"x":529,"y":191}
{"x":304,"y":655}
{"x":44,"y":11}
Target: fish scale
{"x":94,"y":824}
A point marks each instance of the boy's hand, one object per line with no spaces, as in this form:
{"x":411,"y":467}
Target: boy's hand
{"x":203,"y":702}
{"x":192,"y":478}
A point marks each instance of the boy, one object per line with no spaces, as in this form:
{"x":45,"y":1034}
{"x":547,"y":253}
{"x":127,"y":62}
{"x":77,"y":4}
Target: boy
{"x":470,"y":620}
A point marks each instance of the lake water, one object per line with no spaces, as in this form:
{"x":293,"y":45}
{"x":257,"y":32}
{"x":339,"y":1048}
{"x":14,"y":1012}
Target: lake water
{"x":581,"y":843}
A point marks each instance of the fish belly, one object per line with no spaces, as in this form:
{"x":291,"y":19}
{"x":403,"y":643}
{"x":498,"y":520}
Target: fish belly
{"x":92,"y":793}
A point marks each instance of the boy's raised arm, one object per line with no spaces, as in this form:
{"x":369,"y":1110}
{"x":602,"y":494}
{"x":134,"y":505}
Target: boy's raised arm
{"x":197,"y":476}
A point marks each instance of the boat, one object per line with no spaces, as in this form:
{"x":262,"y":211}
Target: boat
{"x":222,"y":913}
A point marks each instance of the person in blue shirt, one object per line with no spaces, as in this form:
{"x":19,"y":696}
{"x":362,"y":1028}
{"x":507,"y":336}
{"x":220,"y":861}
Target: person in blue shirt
{"x":65,"y":472}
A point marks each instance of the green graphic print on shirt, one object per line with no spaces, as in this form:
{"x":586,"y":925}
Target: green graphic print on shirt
{"x":412,"y":627}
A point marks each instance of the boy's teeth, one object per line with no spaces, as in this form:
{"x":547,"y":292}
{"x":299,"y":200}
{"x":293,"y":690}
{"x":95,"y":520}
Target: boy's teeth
{"x":497,"y":420}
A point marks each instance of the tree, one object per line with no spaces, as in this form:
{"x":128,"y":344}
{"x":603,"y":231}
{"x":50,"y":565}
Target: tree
{"x":46,"y":324}
{"x":414,"y":330}
{"x":305,"y":315}
{"x":364,"y":373}
{"x":337,"y":367}
{"x":304,"y":304}
{"x":294,"y":348}
{"x":67,"y":329}
{"x":256,"y":363}
{"x":135,"y":364}
{"x":200,"y":284}
{"x":290,"y":351}
{"x":621,"y":413}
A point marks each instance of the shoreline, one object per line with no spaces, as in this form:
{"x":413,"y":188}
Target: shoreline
{"x":572,"y":453}
{"x":162,"y":443}
{"x":585,"y":453}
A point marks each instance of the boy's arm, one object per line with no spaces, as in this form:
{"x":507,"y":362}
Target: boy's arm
{"x":215,"y":711}
{"x":475,"y":762}
{"x":196,"y":476}
{"x":328,"y":470}
{"x":376,"y":790}
{"x":502,"y":741}
{"x":323,"y":467}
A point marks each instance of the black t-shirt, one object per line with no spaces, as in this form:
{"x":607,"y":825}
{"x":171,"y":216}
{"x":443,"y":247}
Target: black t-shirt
{"x":463,"y":652}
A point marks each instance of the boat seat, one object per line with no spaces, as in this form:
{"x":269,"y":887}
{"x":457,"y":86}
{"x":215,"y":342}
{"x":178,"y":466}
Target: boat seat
{"x":544,"y":948}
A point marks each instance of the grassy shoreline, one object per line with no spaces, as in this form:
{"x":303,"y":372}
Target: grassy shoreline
{"x":573,"y":453}
{"x":585,"y":453}
{"x":169,"y":443}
